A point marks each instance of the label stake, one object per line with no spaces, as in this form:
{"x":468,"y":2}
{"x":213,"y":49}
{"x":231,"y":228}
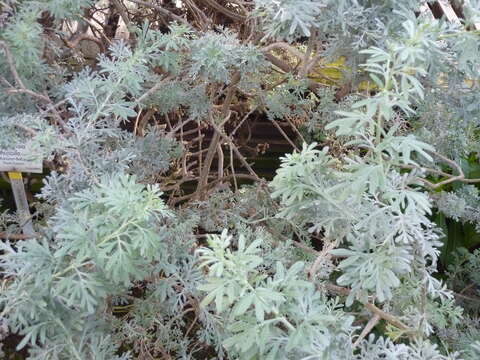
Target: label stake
{"x":21,"y":202}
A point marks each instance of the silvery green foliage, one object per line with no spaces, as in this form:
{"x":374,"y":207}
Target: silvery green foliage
{"x":153,"y":154}
{"x":287,"y":100}
{"x":272,"y":312}
{"x":98,"y":95}
{"x":300,"y":184}
{"x":435,"y":315}
{"x":215,"y":55}
{"x":114,"y":270}
{"x":100,"y":151}
{"x":463,"y":338}
{"x":348,"y":25}
{"x":474,"y":350}
{"x":461,"y":204}
{"x":99,"y":249}
{"x":472,"y":10}
{"x":24,"y":34}
{"x":8,"y":221}
{"x":449,"y":117}
{"x":353,"y":19}
{"x":380,"y":214}
{"x":36,"y":129}
{"x":464,"y":269}
{"x":289,"y":18}
{"x":62,"y":9}
{"x":97,"y":143}
{"x":376,"y":349}
{"x":311,"y":191}
{"x":124,"y":254}
{"x":324,"y":112}
{"x":157,"y":322}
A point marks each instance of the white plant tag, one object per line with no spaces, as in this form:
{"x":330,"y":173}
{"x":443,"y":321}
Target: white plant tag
{"x":20,"y":160}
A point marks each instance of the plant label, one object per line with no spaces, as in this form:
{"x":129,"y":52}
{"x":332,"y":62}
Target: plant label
{"x":19,"y":159}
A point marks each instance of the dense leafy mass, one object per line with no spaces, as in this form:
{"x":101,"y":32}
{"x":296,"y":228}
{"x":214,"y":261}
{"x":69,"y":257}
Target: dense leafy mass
{"x":148,"y":246}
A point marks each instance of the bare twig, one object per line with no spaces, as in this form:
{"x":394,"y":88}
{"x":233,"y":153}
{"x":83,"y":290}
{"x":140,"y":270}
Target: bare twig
{"x":140,"y":125}
{"x":123,"y":13}
{"x":53,"y":106}
{"x":388,"y":317}
{"x":220,"y":161}
{"x":233,"y":169}
{"x":231,"y":14}
{"x":28,"y":92}
{"x":282,"y":65}
{"x":23,"y":88}
{"x":374,"y":309}
{"x":176,"y":200}
{"x":235,"y":149}
{"x":242,"y":121}
{"x":297,"y":244}
{"x":27,"y":129}
{"x":231,"y":177}
{"x":181,"y":126}
{"x":450,"y":178}
{"x":163,"y":11}
{"x":421,"y":168}
{"x":154,"y":88}
{"x":366,"y":330}
{"x":77,"y":38}
{"x":7,"y":236}
{"x":465,"y":297}
{"x":11,"y":64}
{"x":294,"y":127}
{"x":308,"y":53}
{"x":284,"y":134}
{"x":204,"y":20}
{"x":323,"y":255}
{"x":448,"y":161}
{"x":96,"y":30}
{"x":202,"y":182}
{"x":468,"y":287}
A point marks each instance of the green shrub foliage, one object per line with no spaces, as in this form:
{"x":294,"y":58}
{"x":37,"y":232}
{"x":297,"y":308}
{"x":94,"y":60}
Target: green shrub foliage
{"x":148,"y":246}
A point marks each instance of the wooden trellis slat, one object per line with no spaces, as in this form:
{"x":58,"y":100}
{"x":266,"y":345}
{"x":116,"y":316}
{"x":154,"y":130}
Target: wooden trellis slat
{"x":444,"y":8}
